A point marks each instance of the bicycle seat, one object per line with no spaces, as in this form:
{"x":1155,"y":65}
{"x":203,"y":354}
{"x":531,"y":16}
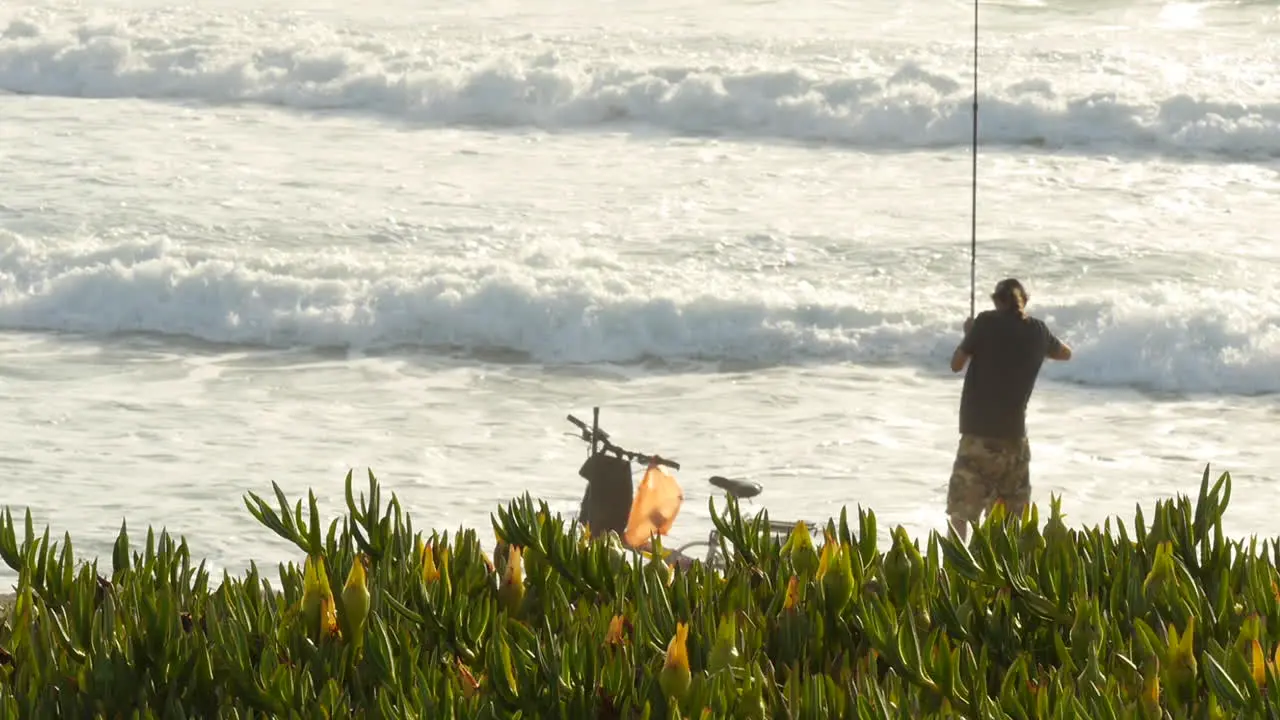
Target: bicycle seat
{"x":739,"y":489}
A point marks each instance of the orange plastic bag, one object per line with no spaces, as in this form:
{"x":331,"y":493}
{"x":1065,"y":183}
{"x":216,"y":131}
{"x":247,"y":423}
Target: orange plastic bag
{"x":655,"y":508}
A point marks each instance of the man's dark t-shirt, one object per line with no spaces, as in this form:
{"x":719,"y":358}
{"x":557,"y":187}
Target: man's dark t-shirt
{"x":1007,"y":351}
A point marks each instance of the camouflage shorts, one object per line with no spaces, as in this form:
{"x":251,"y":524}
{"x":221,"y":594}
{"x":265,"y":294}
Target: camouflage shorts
{"x":987,"y":470}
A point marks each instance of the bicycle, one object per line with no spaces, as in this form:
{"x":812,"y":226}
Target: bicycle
{"x":608,"y":499}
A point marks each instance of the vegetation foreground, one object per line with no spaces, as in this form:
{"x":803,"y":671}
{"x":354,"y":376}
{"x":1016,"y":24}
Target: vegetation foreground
{"x":1167,"y":619}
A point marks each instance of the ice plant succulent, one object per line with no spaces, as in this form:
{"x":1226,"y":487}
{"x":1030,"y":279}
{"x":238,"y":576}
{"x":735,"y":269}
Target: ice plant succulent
{"x":1164,"y":617}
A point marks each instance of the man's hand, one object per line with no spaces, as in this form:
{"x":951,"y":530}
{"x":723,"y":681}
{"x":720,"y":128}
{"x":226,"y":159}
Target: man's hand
{"x":968,"y":325}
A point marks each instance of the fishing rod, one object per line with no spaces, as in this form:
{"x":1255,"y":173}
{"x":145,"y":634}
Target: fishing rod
{"x":973,"y":228}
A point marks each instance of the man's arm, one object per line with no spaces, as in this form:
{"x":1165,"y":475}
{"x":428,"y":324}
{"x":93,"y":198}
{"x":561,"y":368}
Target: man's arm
{"x":964,"y":350}
{"x":1058,"y":350}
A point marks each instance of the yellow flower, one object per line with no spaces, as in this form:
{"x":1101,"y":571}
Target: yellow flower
{"x":826,"y":560}
{"x":615,"y":635}
{"x":675,"y":677}
{"x":1182,"y":648}
{"x":1162,"y":568}
{"x":804,"y":558}
{"x":657,"y":560}
{"x":511,"y":592}
{"x":329,"y":617}
{"x":836,"y":573}
{"x":318,"y":613}
{"x":793,"y":594}
{"x":1151,"y":690}
{"x":660,"y":553}
{"x":724,"y":654}
{"x":24,"y":607}
{"x":469,"y":683}
{"x":1250,"y":629}
{"x":1258,"y":664}
{"x":356,"y":598}
{"x":430,"y":573}
{"x":1180,"y":672}
{"x":312,"y":597}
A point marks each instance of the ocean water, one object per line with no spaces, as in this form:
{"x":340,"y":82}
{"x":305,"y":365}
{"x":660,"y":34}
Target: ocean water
{"x":243,"y":244}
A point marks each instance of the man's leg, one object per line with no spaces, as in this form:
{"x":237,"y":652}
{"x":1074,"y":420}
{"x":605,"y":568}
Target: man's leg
{"x":1015,"y":479}
{"x":969,"y":491}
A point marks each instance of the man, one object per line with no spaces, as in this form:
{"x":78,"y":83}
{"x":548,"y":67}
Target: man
{"x":1007,"y":348}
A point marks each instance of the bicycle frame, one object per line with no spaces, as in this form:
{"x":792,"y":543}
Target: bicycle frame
{"x":603,"y":471}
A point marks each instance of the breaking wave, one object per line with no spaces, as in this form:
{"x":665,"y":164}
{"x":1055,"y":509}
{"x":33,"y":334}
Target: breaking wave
{"x":905,"y":106}
{"x":1163,"y":338}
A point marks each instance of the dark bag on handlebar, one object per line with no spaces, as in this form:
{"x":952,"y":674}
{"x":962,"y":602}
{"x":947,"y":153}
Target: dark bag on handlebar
{"x":606,"y":504}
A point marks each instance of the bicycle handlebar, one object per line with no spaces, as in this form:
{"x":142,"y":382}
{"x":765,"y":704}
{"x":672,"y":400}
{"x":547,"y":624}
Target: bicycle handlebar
{"x":586,"y":430}
{"x":603,"y":437}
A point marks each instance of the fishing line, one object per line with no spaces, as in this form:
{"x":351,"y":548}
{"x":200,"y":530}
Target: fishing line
{"x":973,"y":228}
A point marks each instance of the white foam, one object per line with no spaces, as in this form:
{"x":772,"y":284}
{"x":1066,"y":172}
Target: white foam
{"x":858,"y":102}
{"x":1170,"y":337}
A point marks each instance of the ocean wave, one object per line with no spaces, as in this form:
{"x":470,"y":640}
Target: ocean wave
{"x":902,"y":107}
{"x":1169,"y":338}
